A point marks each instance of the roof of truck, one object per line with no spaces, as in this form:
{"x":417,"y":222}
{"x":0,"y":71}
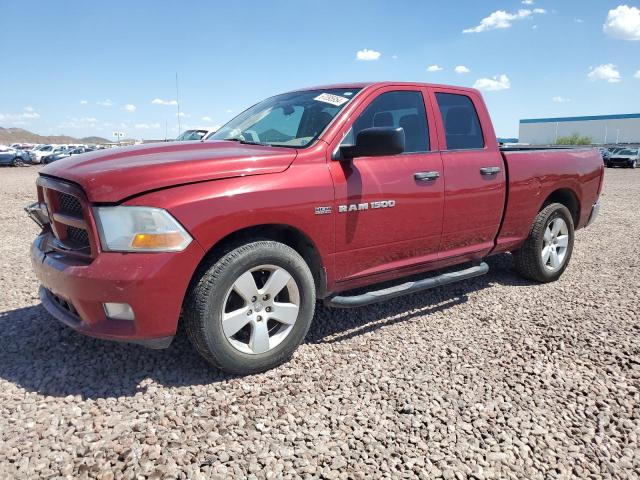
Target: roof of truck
{"x":379,"y":84}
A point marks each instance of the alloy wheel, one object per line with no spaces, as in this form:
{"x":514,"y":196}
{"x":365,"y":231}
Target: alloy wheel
{"x":554,"y":244}
{"x":260,"y":309}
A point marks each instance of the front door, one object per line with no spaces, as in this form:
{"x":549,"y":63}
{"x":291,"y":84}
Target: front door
{"x":388,"y":210}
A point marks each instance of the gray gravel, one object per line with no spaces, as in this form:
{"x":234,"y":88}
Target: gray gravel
{"x":491,"y":378}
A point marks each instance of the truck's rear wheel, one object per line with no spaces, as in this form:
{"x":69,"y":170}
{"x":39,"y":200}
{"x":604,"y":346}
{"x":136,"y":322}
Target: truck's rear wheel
{"x":547,"y":251}
{"x":250,"y":310}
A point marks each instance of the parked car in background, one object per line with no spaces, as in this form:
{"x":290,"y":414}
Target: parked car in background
{"x":195,"y":134}
{"x":625,"y":157}
{"x":605,"y":154}
{"x":64,"y":154}
{"x":13,"y":156}
{"x":22,"y":146}
{"x":38,"y":153}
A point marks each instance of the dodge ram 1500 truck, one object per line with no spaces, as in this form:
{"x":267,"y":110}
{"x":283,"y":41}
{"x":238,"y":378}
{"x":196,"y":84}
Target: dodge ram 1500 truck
{"x":306,"y":195}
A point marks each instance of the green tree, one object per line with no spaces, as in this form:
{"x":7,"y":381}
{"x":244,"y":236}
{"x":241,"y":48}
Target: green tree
{"x":575,"y":139}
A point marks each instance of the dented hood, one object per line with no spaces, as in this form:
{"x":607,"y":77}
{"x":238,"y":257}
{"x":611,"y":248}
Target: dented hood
{"x":115,"y":174}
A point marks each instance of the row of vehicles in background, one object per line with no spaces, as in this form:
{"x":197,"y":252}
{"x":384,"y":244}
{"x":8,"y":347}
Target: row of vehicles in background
{"x":19,"y":154}
{"x":621,"y":156}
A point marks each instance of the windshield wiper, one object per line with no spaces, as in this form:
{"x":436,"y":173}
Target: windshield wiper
{"x":247,"y":142}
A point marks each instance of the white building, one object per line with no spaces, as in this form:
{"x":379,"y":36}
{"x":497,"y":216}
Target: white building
{"x":607,"y":129}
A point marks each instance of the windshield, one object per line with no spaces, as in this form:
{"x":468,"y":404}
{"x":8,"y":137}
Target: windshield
{"x":192,"y":135}
{"x":627,"y":151}
{"x":289,"y":120}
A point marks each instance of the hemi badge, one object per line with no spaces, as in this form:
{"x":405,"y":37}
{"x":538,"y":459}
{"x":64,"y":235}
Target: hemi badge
{"x":323,"y":210}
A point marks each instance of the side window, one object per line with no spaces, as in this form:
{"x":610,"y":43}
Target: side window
{"x":460,"y":120}
{"x":401,"y":108}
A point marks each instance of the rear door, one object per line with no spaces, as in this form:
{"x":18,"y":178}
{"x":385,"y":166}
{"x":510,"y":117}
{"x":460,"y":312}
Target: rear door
{"x":474,"y":172}
{"x":388,"y":210}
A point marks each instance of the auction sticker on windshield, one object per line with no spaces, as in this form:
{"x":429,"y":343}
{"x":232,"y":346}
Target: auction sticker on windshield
{"x":336,"y":100}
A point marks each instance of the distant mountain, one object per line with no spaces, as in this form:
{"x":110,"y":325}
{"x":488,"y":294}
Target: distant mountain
{"x":19,"y":135}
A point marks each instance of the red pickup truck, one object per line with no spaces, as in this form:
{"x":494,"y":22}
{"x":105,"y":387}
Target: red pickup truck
{"x":306,"y":195}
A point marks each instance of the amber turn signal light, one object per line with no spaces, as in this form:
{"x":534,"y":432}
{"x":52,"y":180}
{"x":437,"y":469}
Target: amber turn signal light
{"x":157,"y":240}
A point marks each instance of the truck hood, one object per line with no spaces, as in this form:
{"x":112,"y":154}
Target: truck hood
{"x":116,"y":174}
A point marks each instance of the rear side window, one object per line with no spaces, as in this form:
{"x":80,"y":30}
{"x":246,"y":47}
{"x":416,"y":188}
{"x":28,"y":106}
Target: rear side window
{"x":396,"y":109}
{"x":460,"y":121}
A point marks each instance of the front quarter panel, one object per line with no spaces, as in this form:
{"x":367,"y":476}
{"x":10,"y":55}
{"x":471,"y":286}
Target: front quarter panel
{"x":210,"y":211}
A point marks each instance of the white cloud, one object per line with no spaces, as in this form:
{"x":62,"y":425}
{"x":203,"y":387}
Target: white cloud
{"x":394,"y":57}
{"x":623,"y":22}
{"x":83,"y":102}
{"x":578,"y":20}
{"x":608,"y":72}
{"x":159,"y":101}
{"x":106,"y":103}
{"x":182,"y":114}
{"x":28,"y":113}
{"x":637,"y":75}
{"x":560,"y":99}
{"x":229,"y":111}
{"x":130,"y":108}
{"x":206,"y":119}
{"x":461,"y":69}
{"x":500,"y":82}
{"x":146,"y":126}
{"x":77,"y":123}
{"x":434,"y":68}
{"x":502,"y":19}
{"x":528,"y":2}
{"x":367,"y":55}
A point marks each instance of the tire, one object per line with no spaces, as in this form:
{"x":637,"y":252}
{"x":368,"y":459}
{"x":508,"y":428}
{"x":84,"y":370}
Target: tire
{"x":18,"y":162}
{"x":224,"y":289}
{"x":529,"y":261}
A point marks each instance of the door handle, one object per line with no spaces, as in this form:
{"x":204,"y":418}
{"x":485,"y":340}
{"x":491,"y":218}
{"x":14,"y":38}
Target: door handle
{"x":426,"y":176}
{"x":489,"y":170}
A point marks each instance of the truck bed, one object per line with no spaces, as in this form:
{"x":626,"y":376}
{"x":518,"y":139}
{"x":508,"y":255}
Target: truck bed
{"x":538,"y":173}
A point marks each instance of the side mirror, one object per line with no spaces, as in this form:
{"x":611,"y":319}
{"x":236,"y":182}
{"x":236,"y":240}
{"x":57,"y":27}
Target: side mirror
{"x":375,"y":142}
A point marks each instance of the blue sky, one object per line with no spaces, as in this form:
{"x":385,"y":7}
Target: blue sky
{"x":89,"y":68}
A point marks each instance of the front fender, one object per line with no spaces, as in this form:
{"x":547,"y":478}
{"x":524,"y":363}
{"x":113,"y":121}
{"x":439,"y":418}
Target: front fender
{"x":210,"y":211}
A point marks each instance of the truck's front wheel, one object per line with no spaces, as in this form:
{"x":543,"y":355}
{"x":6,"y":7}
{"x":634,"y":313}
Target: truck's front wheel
{"x":251,"y":309}
{"x":546,"y":252}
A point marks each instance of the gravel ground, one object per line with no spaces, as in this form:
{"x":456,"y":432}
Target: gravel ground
{"x":490,"y":378}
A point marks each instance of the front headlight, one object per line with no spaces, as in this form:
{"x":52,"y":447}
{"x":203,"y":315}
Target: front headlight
{"x":139,"y":229}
